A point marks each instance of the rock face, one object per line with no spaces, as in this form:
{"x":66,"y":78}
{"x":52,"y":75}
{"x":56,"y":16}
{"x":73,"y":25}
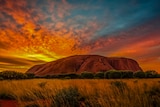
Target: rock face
{"x":81,"y":63}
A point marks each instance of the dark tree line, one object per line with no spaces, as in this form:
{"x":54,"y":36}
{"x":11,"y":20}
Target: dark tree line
{"x":111,"y":74}
{"x":10,"y":75}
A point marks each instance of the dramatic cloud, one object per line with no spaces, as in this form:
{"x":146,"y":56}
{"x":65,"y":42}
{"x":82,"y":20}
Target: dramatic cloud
{"x":38,"y":31}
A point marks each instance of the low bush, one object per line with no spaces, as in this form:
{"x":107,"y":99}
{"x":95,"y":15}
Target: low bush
{"x":1,"y":78}
{"x":72,"y":75}
{"x":12,"y":75}
{"x":151,"y":74}
{"x":67,"y":77}
{"x":47,"y":77}
{"x":39,"y":94}
{"x":114,"y":75}
{"x":158,"y":76}
{"x":87,"y":75}
{"x":54,"y":76}
{"x":120,"y":85}
{"x":7,"y":96}
{"x":42,"y":84}
{"x":67,"y":97}
{"x":27,"y":97}
{"x":99,"y":75}
{"x":153,"y":96}
{"x":30,"y":75}
{"x":107,"y":73}
{"x":126,"y":74}
{"x":139,"y":74}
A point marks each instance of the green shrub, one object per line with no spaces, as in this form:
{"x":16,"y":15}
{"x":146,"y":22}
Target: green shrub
{"x":87,"y":75}
{"x":151,"y":74}
{"x":99,"y":75}
{"x":114,"y":75}
{"x":139,"y":74}
{"x":107,"y":73}
{"x":126,"y":74}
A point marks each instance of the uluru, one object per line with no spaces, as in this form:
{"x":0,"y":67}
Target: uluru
{"x":80,"y":63}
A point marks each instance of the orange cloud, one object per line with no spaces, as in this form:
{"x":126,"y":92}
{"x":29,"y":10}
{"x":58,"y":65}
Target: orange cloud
{"x":27,"y":35}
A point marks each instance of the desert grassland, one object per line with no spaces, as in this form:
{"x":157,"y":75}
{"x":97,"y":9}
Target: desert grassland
{"x":82,"y":92}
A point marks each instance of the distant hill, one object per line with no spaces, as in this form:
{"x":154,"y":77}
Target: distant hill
{"x":81,"y":63}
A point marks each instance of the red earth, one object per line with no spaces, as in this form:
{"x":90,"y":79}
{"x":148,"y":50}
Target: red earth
{"x":8,"y":103}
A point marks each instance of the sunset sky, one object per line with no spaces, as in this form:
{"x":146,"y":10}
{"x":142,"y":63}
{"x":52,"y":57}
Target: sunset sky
{"x":38,"y":31}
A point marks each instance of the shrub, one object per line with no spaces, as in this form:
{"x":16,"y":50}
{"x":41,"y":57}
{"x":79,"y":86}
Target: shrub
{"x":126,"y":74}
{"x":61,"y":76}
{"x":7,"y":96}
{"x":47,"y":76}
{"x":158,"y":76}
{"x":42,"y":84}
{"x":72,"y":75}
{"x":87,"y":75}
{"x":107,"y":73}
{"x":1,"y":78}
{"x":12,"y":75}
{"x":139,"y":74}
{"x":30,"y":75}
{"x":99,"y":75}
{"x":67,"y":77}
{"x":114,"y":75}
{"x":54,"y":76}
{"x":151,"y":74}
{"x":27,"y":97}
{"x":67,"y":97}
{"x":120,"y":85}
{"x":39,"y":93}
{"x":153,"y":96}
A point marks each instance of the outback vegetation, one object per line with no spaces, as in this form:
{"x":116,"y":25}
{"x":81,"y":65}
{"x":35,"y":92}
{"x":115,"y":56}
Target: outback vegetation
{"x":82,"y":93}
{"x":102,"y":89}
{"x":111,"y":74}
